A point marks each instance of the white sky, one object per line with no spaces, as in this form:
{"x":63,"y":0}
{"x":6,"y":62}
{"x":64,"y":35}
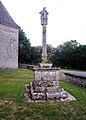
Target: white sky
{"x":66,"y":19}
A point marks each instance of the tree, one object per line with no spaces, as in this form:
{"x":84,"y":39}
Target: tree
{"x":63,"y":54}
{"x":79,"y":57}
{"x":35,"y":55}
{"x":50,"y":51}
{"x":24,"y":48}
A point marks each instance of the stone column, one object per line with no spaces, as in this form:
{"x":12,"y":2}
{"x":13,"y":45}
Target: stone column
{"x":44,"y":18}
{"x":44,"y":45}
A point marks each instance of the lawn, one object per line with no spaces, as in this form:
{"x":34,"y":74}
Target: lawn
{"x":14,"y":107}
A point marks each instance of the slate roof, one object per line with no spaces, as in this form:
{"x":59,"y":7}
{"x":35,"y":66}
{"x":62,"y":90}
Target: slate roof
{"x":5,"y":17}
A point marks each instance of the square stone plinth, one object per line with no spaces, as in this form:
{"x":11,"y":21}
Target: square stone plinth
{"x":47,"y":76}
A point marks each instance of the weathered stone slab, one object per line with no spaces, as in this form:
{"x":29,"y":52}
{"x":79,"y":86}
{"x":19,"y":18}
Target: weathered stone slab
{"x":52,"y":89}
{"x":64,"y":94}
{"x":38,"y":96}
{"x":53,"y":95}
{"x":45,"y":65}
{"x":39,"y":89}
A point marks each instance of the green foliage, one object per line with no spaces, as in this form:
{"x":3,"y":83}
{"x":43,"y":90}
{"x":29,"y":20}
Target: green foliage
{"x":24,"y":48}
{"x":35,"y":55}
{"x":28,"y":54}
{"x":79,"y":57}
{"x":70,"y":55}
{"x":50,"y":51}
{"x":14,"y":107}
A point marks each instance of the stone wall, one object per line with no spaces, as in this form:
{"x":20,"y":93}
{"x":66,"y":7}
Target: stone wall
{"x":72,"y":78}
{"x":8,"y":47}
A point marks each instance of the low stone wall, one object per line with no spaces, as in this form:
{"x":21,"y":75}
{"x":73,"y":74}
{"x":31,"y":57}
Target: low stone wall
{"x":76,"y":78}
{"x":27,"y":66}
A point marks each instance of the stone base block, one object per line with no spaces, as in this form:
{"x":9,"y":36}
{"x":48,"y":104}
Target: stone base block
{"x":52,"y":94}
{"x":53,"y":89}
{"x":45,"y":87}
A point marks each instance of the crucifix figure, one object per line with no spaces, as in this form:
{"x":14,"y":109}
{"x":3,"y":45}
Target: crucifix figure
{"x":44,"y":19}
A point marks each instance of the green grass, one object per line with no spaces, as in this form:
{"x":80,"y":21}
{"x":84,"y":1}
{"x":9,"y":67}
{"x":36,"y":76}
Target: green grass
{"x":14,"y":107}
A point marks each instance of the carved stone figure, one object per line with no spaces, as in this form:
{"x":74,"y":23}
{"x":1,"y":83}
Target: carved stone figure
{"x":44,"y":18}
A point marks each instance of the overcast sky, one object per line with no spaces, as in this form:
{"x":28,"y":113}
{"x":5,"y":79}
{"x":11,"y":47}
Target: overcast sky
{"x":66,"y":19}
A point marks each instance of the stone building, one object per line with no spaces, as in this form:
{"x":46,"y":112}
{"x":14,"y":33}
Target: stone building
{"x":9,"y":32}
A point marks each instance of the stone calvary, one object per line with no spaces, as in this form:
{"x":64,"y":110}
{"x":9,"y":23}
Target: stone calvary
{"x":45,"y":86}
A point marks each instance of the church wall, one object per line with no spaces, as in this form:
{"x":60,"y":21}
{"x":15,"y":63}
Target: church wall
{"x":8,"y":47}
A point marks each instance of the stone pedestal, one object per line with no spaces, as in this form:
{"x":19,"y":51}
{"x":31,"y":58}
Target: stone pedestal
{"x":45,"y":87}
{"x":46,"y":77}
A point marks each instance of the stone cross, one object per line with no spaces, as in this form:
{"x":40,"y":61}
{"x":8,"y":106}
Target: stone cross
{"x":44,"y":19}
